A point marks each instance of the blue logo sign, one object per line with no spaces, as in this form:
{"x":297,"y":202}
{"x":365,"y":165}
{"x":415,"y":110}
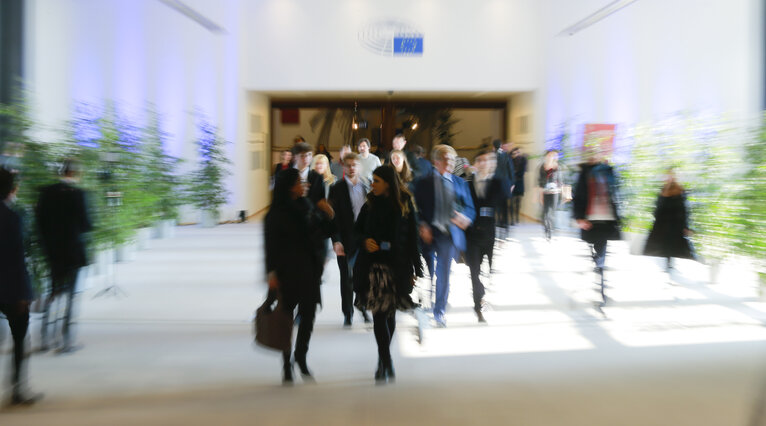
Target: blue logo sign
{"x":408,"y":46}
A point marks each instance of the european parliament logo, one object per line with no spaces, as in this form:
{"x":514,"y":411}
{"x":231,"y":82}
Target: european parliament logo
{"x":392,"y":38}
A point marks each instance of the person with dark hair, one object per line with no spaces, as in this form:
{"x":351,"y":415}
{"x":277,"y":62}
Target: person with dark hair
{"x":337,"y":167}
{"x":285,"y":161}
{"x":670,"y":231}
{"x":15,"y":290}
{"x":398,"y":143}
{"x":367,"y":161}
{"x":302,"y":155}
{"x":551,"y":185}
{"x":506,"y":172}
{"x":402,"y":166}
{"x":519,"y":169}
{"x":389,"y":262}
{"x":62,"y":220}
{"x":322,"y":150}
{"x":424,"y":166}
{"x":487,"y":196}
{"x":293,"y":263}
{"x":595,"y":207}
{"x":446,"y":211}
{"x":347,"y":196}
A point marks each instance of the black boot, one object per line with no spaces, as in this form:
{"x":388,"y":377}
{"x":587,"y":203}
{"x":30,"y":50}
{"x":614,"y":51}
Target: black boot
{"x":287,"y":370}
{"x":380,"y":373}
{"x":303,"y":367}
{"x":390,"y":375}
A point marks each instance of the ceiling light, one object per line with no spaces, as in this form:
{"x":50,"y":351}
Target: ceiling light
{"x":595,"y":17}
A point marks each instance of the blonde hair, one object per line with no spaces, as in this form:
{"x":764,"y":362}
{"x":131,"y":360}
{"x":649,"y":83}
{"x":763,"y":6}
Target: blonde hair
{"x":441,"y":151}
{"x":327,"y":176}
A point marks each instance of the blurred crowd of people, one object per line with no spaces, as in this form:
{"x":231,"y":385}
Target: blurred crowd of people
{"x":392,"y":219}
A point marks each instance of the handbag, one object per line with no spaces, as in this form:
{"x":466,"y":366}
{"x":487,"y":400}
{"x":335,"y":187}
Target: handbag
{"x":273,"y":326}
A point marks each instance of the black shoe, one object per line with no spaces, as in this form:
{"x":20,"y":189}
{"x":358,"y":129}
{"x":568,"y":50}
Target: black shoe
{"x":347,"y":321}
{"x":366,"y":317}
{"x":303,"y":367}
{"x":380,"y":373}
{"x":390,"y":375}
{"x":287,"y":374}
{"x":22,"y":398}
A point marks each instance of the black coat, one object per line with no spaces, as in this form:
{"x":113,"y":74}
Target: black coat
{"x":62,"y":219}
{"x":291,"y":231}
{"x":667,"y":238}
{"x":506,"y":172}
{"x":519,"y":168}
{"x":343,"y":223}
{"x":380,"y":221}
{"x":483,"y":227}
{"x":603,"y":230}
{"x":14,"y":279}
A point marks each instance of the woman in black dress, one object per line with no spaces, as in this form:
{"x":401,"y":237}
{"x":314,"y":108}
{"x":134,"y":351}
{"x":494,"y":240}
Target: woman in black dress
{"x":386,"y":269}
{"x":668,"y":237}
{"x":292,"y":227}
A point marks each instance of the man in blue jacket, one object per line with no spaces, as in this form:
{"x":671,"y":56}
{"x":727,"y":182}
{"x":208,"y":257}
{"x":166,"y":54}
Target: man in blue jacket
{"x":15,"y":290}
{"x":446,"y":210}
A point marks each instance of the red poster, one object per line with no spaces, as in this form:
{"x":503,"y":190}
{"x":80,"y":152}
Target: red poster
{"x":600,"y":135}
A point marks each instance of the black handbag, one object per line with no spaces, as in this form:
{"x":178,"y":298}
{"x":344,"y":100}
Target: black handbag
{"x":274,"y":326}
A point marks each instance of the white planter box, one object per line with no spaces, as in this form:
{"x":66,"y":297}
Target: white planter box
{"x":208,"y":219}
{"x":143,"y":238}
{"x":126,"y":252}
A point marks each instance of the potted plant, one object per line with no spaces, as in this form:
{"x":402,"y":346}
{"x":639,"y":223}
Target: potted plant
{"x":207,"y":190}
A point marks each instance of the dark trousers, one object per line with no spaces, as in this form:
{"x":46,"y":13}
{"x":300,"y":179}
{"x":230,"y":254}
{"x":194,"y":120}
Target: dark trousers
{"x":550,"y":203}
{"x":384,"y":325}
{"x":475,"y":252}
{"x":515,"y":209}
{"x":64,"y":286}
{"x":599,"y":252}
{"x":307,"y":313}
{"x":502,"y":216}
{"x":346,"y":268}
{"x":18,"y":320}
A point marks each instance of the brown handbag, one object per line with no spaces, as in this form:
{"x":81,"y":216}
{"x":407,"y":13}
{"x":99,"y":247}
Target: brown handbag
{"x":274,"y":326}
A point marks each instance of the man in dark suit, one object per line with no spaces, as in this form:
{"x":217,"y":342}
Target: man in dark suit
{"x":15,"y":290}
{"x":507,"y":174}
{"x":487,"y":196}
{"x":62,"y":219}
{"x":347,"y":196}
{"x":446,"y":210}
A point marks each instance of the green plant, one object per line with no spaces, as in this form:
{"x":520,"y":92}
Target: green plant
{"x":33,"y":161}
{"x":161,"y":185}
{"x":208,"y":191}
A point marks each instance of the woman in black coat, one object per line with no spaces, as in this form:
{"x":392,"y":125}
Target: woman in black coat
{"x":292,"y":227}
{"x":385,"y":272}
{"x":668,"y":237}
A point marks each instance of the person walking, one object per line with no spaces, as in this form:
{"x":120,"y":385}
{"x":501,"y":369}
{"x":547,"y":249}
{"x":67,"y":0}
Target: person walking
{"x":16,"y":293}
{"x":519,"y":169}
{"x":551,"y":184}
{"x":62,"y":220}
{"x":670,"y":231}
{"x":386,"y":270}
{"x":347,"y":196}
{"x":596,"y":208}
{"x":368,"y":161}
{"x":446,"y":211}
{"x":293,"y":263}
{"x":487,"y":196}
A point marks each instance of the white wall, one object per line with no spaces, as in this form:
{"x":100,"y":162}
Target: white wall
{"x":468,"y":45}
{"x":651,"y":60}
{"x":134,"y":52}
